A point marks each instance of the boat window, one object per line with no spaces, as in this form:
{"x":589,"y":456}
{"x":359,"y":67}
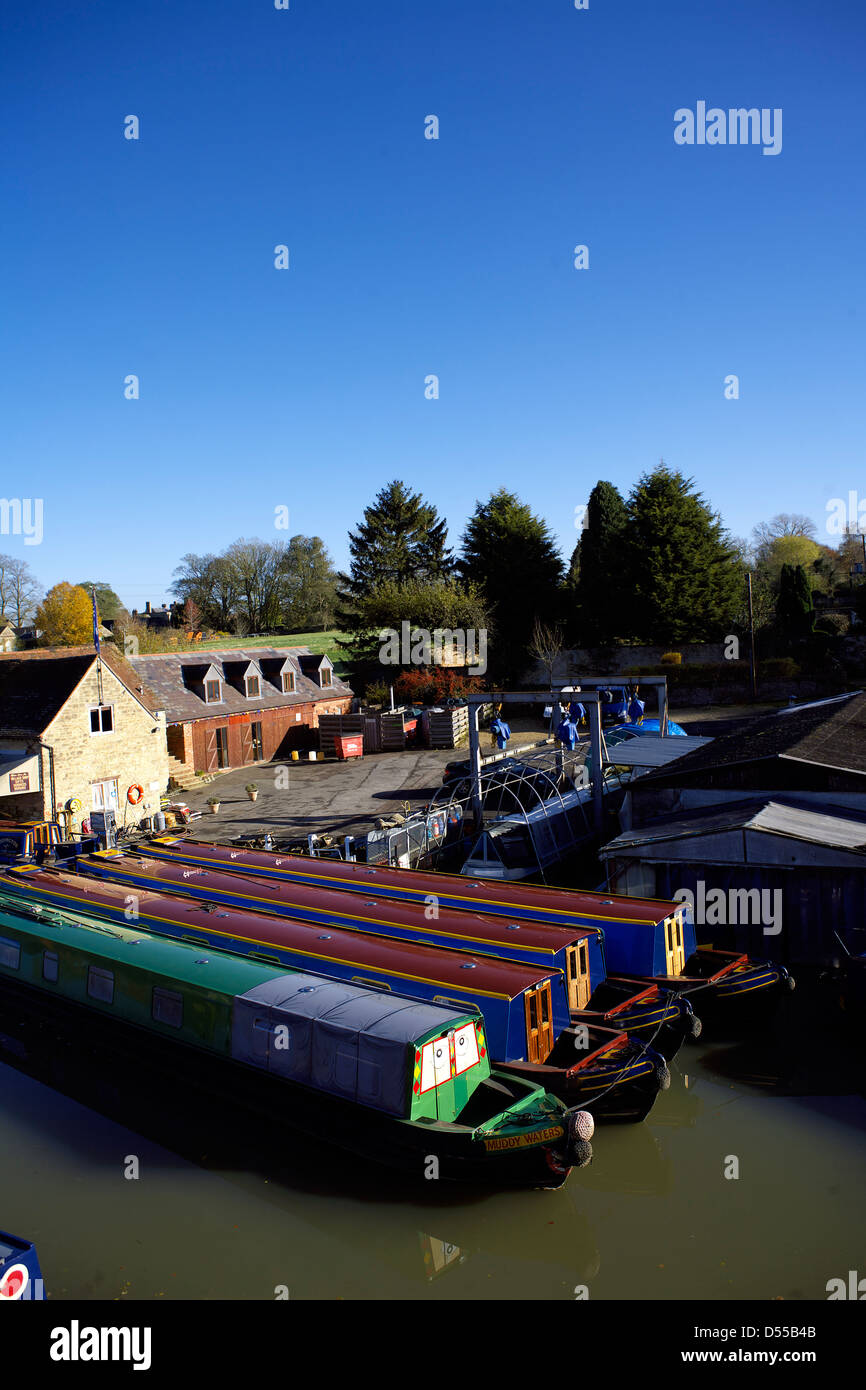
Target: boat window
{"x":100,"y":984}
{"x":49,"y":966}
{"x":515,"y":849}
{"x":167,"y":1007}
{"x":10,"y":953}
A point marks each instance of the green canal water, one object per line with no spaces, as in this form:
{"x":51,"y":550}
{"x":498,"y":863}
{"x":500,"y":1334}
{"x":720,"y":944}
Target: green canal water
{"x":224,"y":1209}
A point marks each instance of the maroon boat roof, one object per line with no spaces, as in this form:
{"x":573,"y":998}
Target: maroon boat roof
{"x":430,"y":964}
{"x":579,"y":901}
{"x":337,"y":905}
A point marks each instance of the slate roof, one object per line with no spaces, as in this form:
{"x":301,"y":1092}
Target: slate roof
{"x":175,"y":679}
{"x":34,"y":686}
{"x":827,"y":733}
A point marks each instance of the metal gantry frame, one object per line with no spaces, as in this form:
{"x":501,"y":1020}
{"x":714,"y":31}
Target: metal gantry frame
{"x":587,"y":690}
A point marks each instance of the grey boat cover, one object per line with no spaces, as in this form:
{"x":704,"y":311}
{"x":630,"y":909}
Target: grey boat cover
{"x":339,"y":1038}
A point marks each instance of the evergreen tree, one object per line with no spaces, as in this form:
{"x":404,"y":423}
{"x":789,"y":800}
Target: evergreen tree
{"x":683,"y":572}
{"x":795,"y":613}
{"x":602,"y":583}
{"x":401,"y":537}
{"x":510,"y":554}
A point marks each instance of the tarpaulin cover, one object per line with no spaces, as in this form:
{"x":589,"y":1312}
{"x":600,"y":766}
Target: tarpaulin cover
{"x":348,"y":1041}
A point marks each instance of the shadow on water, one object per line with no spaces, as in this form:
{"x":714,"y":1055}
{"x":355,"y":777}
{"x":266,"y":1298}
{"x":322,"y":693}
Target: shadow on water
{"x":420,"y":1229}
{"x":806,"y":1055}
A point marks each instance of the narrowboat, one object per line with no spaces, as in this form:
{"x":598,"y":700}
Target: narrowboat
{"x":656,"y":1016}
{"x":647,"y":941}
{"x":524,"y":1008}
{"x":20,"y":1275}
{"x":405,"y":1083}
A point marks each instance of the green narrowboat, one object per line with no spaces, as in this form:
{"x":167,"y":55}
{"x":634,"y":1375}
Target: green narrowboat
{"x":395,"y":1079}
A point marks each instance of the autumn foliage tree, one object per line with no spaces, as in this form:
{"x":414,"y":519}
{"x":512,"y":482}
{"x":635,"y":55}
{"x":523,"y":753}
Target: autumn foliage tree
{"x":65,"y":617}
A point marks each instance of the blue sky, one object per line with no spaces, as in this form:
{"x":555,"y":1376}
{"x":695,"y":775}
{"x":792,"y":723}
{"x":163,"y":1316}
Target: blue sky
{"x":262,"y":388}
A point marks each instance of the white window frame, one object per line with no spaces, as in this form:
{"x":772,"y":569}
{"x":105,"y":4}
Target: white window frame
{"x":255,"y":694}
{"x":98,"y":733}
{"x":329,"y":672}
{"x":288,"y":676}
{"x":219,"y":685}
{"x":105,"y":805}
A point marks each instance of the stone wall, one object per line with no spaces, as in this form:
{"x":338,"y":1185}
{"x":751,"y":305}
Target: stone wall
{"x":133,"y":752}
{"x":603,"y":661}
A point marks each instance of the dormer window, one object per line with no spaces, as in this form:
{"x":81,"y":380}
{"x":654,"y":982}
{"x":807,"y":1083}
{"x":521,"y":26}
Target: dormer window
{"x":326,"y":676}
{"x":252,"y":685}
{"x":213,"y":692}
{"x":288,"y":682}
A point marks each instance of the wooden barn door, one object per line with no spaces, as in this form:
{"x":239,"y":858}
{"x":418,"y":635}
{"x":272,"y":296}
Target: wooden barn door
{"x":246,"y":744}
{"x":579,"y":988}
{"x":210,"y":750}
{"x":539,"y":1025}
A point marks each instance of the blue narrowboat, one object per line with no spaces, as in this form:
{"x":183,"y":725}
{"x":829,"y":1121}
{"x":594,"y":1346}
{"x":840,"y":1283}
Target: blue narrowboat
{"x":657,"y":1016}
{"x":20,"y":1275}
{"x":524,"y":1007}
{"x":646,"y":940}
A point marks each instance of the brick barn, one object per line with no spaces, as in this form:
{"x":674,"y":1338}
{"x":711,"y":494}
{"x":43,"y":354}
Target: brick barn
{"x":234,"y":708}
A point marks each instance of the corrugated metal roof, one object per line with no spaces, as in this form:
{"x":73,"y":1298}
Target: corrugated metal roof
{"x":842,"y":830}
{"x":645,"y":751}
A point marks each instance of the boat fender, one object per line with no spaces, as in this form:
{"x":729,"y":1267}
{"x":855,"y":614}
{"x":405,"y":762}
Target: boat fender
{"x":134,"y":793}
{"x":790,"y":984}
{"x":579,"y":1153}
{"x":664,"y":1076}
{"x":581,"y":1125}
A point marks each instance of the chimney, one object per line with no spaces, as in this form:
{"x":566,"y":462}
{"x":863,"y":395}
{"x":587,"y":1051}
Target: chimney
{"x":147,"y":606}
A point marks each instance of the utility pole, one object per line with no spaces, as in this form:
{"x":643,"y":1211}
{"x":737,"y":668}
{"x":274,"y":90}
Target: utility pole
{"x":752,"y":670}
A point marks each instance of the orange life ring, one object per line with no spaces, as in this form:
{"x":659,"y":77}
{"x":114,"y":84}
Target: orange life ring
{"x":134,"y":793}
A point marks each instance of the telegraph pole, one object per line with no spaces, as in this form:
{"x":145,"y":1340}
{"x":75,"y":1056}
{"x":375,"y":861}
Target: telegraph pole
{"x":752,"y":670}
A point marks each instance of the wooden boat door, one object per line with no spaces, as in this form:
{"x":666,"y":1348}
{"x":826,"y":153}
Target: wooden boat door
{"x":539,"y":1025}
{"x":577,"y":963}
{"x":675,"y":954}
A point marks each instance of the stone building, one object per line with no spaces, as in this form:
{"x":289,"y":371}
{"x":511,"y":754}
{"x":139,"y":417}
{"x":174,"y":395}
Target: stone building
{"x":75,"y":734}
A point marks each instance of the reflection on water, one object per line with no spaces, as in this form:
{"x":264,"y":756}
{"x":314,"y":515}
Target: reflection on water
{"x":229,"y":1204}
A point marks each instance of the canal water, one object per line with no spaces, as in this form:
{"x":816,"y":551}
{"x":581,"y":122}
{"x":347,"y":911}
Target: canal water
{"x":228,"y":1206}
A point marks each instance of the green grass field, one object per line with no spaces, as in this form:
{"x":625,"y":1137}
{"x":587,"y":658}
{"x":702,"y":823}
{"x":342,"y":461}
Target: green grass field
{"x":325,"y":642}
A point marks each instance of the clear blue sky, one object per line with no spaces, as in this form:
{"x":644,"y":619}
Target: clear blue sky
{"x":408,"y":257}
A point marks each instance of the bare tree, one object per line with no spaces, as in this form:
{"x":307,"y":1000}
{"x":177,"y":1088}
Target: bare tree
{"x":546,"y":645}
{"x":20,"y":590}
{"x":784,"y":524}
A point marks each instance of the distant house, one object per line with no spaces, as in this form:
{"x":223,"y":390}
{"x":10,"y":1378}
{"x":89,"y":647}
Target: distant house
{"x":63,"y":740}
{"x":233,"y":708}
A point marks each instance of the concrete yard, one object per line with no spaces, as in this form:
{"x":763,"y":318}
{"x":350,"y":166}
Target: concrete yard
{"x":296,"y":799}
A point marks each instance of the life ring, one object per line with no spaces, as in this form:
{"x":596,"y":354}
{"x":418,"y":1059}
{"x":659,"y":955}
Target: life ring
{"x":134,"y":793}
{"x":14,"y":1281}
{"x":74,"y":805}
